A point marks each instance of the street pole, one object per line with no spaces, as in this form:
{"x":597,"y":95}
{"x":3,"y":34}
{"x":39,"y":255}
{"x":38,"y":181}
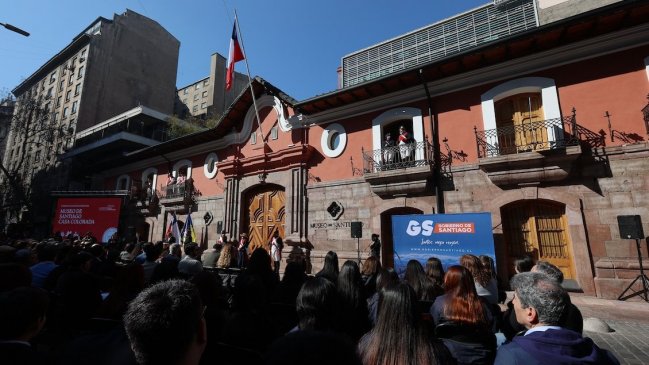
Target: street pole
{"x":15,"y":29}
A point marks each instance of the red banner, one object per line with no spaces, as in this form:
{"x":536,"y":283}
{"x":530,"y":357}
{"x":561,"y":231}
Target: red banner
{"x":76,"y":216}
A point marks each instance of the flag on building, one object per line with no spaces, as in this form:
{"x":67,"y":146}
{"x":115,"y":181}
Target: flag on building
{"x":188,"y":234}
{"x":235,"y":55}
{"x":173,"y":230}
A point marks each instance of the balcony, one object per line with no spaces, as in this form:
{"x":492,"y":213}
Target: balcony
{"x":179,"y":196}
{"x":144,"y":200}
{"x":534,"y":152}
{"x":399,"y":170}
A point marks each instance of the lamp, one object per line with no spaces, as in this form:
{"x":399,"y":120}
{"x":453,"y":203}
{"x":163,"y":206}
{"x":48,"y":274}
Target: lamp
{"x":15,"y":29}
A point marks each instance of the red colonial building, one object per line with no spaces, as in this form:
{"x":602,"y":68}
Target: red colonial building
{"x":542,"y":127}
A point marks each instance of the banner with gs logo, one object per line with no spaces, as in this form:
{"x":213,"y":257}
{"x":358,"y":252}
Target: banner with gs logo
{"x":445,"y":236}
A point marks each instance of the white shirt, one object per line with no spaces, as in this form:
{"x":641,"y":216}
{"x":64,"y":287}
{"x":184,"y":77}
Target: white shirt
{"x":275,"y":252}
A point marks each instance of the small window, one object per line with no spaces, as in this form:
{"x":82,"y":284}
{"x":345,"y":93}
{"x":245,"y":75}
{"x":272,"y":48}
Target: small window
{"x":49,"y":92}
{"x":66,"y":111}
{"x":47,"y":107}
{"x":56,"y":117}
{"x":58,"y":101}
{"x":68,"y":95}
{"x":197,"y":86}
{"x":209,"y":167}
{"x":206,"y":82}
{"x":334,"y":140}
{"x":74,"y":106}
{"x":77,"y":89}
{"x":61,"y":85}
{"x":203,"y":105}
{"x":37,"y":156}
{"x":195,"y":108}
{"x":185,"y":101}
{"x":274,"y":132}
{"x":71,"y":79}
{"x":80,"y":73}
{"x":52,"y":77}
{"x":83,"y":53}
{"x":65,"y":69}
{"x":205,"y":93}
{"x":196,"y":97}
{"x":185,"y":91}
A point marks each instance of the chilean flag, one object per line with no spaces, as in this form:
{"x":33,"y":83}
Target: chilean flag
{"x":235,"y":55}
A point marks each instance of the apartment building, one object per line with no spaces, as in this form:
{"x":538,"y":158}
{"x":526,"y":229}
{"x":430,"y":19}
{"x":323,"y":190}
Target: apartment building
{"x":207,"y":97}
{"x":112,"y":66}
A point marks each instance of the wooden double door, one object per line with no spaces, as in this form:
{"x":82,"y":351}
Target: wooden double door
{"x":538,"y":228}
{"x":519,"y":120}
{"x":265,"y":215}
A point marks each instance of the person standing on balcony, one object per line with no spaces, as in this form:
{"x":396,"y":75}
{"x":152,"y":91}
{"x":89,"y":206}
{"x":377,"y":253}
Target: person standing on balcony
{"x":388,"y":149}
{"x":405,"y":149}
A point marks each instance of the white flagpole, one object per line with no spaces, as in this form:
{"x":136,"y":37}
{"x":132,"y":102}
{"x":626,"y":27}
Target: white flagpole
{"x":254,"y":102}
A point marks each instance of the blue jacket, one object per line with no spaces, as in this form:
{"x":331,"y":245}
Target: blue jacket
{"x":553,"y":347}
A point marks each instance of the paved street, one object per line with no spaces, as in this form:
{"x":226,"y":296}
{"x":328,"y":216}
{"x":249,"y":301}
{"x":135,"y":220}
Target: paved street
{"x":629,"y":321}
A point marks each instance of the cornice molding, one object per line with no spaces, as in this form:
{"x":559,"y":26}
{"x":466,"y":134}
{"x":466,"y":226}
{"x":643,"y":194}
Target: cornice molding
{"x":588,"y":49}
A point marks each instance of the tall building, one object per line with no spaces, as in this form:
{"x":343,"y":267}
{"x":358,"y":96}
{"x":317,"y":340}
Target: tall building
{"x":111,"y":67}
{"x":6,"y":113}
{"x":207,"y":97}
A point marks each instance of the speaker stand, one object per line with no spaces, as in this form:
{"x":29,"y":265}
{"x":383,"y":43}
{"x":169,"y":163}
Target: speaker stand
{"x":644,"y":292}
{"x":358,"y":249}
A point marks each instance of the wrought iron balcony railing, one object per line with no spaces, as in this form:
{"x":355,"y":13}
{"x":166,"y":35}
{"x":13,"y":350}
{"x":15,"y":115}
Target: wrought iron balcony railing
{"x":183,"y":190}
{"x":398,"y":157}
{"x":534,"y":136}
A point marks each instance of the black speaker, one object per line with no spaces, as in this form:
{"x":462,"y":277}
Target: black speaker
{"x":219,"y":227}
{"x":357,"y":230}
{"x":630,"y":227}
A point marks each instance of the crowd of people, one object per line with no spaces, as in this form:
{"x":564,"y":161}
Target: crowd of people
{"x":82,"y":302}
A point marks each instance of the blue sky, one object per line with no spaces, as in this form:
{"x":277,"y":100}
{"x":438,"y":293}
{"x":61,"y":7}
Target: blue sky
{"x":296,"y":45}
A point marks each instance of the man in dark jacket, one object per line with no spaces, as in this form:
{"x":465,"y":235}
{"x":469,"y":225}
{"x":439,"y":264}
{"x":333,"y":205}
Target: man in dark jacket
{"x":539,"y":303}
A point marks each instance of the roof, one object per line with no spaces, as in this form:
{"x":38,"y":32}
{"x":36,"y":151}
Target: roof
{"x":77,"y":43}
{"x":616,"y":16}
{"x":231,"y":118}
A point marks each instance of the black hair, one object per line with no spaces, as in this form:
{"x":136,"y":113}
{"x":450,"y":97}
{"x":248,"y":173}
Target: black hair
{"x":162,"y":322}
{"x":330,"y":267}
{"x":398,"y":333}
{"x":524,"y":264}
{"x":20,"y":311}
{"x":419,"y":282}
{"x":316,"y":304}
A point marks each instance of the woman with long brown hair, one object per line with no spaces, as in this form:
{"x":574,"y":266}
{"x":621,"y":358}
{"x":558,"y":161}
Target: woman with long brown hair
{"x":462,"y":320}
{"x":484,"y":286}
{"x":399,"y":336}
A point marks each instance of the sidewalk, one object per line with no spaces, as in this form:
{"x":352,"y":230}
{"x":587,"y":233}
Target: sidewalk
{"x":629,"y":321}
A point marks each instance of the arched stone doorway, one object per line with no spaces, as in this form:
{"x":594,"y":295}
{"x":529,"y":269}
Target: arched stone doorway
{"x":537,"y":228}
{"x":387,"y":246}
{"x":264,"y":214}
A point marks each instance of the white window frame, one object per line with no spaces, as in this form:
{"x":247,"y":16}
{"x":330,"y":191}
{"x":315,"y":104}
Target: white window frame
{"x":120,"y":178}
{"x":179,"y":164}
{"x":146,"y":173}
{"x":549,"y":100}
{"x":393,"y":115}
{"x":325,"y":141}
{"x":211,"y":159}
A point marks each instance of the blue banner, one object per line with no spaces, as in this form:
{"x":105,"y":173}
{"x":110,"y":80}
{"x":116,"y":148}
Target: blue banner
{"x":445,"y":236}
